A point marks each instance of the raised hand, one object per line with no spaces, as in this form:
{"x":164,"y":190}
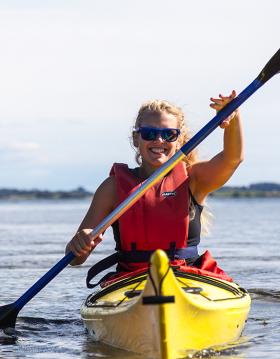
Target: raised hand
{"x":222,"y":101}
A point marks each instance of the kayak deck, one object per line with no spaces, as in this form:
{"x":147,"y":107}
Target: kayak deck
{"x":164,"y":313}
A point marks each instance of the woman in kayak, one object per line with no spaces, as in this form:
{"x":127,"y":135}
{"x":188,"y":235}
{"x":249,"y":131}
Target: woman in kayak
{"x":168,"y":216}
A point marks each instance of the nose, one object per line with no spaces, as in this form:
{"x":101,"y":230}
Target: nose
{"x":159,"y":138}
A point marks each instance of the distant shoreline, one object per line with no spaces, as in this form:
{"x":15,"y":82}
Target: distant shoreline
{"x":263,"y":190}
{"x":256,"y":190}
{"x":8,"y":194}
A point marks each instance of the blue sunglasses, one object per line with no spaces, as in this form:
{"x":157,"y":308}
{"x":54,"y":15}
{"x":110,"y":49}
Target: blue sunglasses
{"x":152,"y":133}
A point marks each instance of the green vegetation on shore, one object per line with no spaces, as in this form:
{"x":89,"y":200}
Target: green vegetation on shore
{"x":16,"y":194}
{"x":251,"y":191}
{"x":254,"y":190}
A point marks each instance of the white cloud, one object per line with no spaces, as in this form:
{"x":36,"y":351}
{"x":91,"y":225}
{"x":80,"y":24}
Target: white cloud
{"x":24,"y":146}
{"x":15,"y":152}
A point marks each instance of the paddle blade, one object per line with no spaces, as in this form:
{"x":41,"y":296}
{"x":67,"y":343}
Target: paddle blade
{"x":271,"y":68}
{"x":8,"y":316}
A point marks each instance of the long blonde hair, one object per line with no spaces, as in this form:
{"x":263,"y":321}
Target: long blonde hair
{"x":155,"y":108}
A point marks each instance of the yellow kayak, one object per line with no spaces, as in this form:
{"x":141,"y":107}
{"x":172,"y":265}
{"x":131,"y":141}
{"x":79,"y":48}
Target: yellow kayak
{"x":165,"y":313}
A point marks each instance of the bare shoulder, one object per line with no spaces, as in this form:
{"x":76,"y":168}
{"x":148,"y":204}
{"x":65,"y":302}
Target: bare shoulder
{"x":103,"y":203}
{"x":107,"y":192}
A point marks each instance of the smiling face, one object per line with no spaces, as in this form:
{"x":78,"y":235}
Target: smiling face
{"x":155,"y":153}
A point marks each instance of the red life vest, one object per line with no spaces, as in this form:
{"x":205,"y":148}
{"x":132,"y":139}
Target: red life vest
{"x":160,"y":218}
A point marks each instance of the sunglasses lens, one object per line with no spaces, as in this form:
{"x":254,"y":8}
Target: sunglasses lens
{"x":170,"y":134}
{"x":148,"y":134}
{"x":151,"y":134}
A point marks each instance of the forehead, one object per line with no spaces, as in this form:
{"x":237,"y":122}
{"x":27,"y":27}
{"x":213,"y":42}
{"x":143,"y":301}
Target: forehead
{"x":163,"y":119}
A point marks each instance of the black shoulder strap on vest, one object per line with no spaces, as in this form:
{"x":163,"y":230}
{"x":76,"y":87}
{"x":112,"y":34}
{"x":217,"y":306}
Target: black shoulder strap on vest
{"x":100,"y":267}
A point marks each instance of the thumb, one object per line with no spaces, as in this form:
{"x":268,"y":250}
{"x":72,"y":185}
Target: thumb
{"x":97,"y":240}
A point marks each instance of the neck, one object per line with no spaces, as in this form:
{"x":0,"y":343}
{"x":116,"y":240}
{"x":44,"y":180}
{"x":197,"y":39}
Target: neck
{"x":145,"y":171}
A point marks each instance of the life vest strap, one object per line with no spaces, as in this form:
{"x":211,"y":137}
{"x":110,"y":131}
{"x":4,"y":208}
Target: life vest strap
{"x":134,"y":257}
{"x":99,"y":267}
{"x":144,"y":256}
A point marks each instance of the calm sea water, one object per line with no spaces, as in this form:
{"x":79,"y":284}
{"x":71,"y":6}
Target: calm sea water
{"x":245,"y":238}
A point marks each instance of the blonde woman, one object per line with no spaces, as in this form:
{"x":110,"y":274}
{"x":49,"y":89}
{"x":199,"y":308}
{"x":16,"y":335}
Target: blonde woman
{"x":168,"y":216}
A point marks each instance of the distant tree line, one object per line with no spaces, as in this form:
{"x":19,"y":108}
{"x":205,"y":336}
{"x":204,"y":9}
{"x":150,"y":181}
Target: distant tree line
{"x":254,"y":190}
{"x":11,"y":193}
{"x":265,"y":189}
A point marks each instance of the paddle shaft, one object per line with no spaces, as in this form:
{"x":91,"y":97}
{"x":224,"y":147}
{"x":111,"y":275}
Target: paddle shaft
{"x":156,"y":176}
{"x":271,"y":68}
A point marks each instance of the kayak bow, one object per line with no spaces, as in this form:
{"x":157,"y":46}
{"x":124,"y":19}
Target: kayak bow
{"x":164,"y":313}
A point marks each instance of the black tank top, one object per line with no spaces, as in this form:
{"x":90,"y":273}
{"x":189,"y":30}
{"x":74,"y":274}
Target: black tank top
{"x":194,"y":222}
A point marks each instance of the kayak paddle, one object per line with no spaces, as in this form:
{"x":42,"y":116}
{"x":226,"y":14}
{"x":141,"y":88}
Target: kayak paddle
{"x":9,"y":312}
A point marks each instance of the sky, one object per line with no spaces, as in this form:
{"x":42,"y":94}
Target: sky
{"x":73,"y":75}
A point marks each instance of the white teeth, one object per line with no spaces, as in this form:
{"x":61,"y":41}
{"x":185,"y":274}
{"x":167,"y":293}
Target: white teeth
{"x":157,"y":150}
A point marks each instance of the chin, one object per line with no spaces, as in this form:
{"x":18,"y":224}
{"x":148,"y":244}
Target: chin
{"x":157,"y":163}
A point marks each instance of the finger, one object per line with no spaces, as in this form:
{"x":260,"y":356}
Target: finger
{"x":73,"y":250}
{"x":93,"y":245}
{"x":76,"y":250}
{"x":233,"y":94}
{"x":82,"y":241}
{"x":80,"y":249}
{"x":85,"y":237}
{"x":216,"y":104}
{"x":85,"y":233}
{"x":216,"y":100}
{"x":85,"y":244}
{"x":225,"y":124}
{"x":96,"y":241}
{"x":216,"y":107}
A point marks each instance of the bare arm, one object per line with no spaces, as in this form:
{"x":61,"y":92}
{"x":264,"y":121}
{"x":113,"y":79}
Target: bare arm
{"x":104,"y":201}
{"x":208,"y":176}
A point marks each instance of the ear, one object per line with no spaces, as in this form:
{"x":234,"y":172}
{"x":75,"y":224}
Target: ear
{"x":135,"y":138}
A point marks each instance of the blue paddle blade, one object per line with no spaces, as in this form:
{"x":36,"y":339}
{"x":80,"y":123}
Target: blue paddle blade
{"x":9,"y":312}
{"x":8,"y":316}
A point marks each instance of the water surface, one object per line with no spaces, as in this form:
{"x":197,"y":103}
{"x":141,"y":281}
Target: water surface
{"x":244,"y":238}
